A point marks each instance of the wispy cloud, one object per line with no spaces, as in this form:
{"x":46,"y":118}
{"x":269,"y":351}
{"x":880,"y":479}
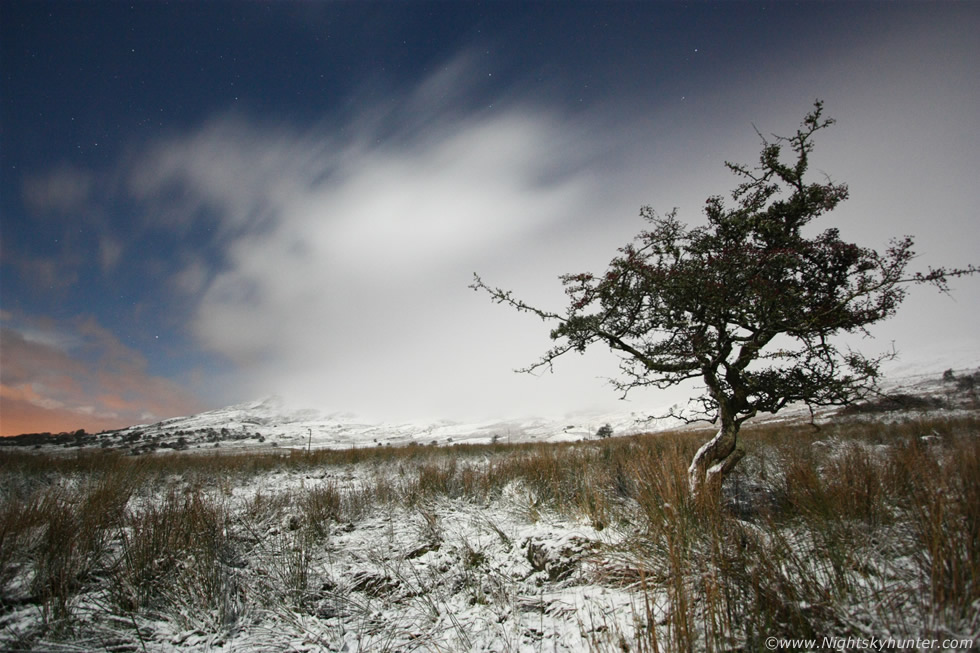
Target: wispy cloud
{"x":44,"y":274}
{"x":346,"y":264}
{"x":61,"y":191}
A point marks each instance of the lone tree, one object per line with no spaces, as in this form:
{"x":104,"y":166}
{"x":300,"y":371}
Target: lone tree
{"x":748,"y":304}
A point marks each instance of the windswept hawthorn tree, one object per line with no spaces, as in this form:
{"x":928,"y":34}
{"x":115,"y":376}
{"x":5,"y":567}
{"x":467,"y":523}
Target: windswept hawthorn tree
{"x":748,"y":304}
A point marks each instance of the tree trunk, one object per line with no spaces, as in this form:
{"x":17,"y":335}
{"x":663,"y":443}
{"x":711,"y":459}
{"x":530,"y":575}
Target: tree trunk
{"x":714,"y":460}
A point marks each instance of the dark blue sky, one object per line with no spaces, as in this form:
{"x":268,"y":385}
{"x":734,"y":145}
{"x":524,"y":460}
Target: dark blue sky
{"x":207,"y":202}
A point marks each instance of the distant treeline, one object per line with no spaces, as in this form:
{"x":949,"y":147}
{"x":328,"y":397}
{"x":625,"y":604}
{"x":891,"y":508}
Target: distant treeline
{"x":75,"y":438}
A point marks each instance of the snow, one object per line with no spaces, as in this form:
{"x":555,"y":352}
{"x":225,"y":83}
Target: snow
{"x":439,"y":574}
{"x":445,"y":575}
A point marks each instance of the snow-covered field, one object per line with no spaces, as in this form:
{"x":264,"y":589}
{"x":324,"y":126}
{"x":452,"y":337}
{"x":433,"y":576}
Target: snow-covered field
{"x":866,"y":528}
{"x":433,"y":572}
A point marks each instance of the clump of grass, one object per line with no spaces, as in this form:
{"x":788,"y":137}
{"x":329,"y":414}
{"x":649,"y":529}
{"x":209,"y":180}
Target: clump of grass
{"x":943,"y":508}
{"x":323,"y":506}
{"x":670,"y":548}
{"x":174,"y":559}
{"x":60,"y":535}
{"x":436,"y":478}
{"x":55,"y":554}
{"x":291,"y":556}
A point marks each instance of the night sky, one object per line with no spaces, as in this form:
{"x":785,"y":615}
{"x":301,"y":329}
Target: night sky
{"x":208,"y":203}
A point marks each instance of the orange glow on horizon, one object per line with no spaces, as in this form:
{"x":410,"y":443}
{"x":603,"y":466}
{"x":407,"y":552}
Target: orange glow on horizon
{"x":18,"y":416}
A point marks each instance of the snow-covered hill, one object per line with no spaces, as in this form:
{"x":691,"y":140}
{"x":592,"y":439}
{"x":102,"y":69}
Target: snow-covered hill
{"x":269,"y":423}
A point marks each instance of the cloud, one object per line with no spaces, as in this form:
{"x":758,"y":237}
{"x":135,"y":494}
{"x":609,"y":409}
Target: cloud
{"x":77,"y":374}
{"x":69,"y":204}
{"x":42,"y":274}
{"x":346,"y":252}
{"x":62,"y":190}
{"x":110,"y":251}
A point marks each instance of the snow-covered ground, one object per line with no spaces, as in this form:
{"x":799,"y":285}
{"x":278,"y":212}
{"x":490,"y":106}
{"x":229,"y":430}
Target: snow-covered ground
{"x":382,"y":564}
{"x":442,"y":574}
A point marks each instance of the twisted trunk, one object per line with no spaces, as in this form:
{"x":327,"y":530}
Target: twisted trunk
{"x":714,"y":460}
